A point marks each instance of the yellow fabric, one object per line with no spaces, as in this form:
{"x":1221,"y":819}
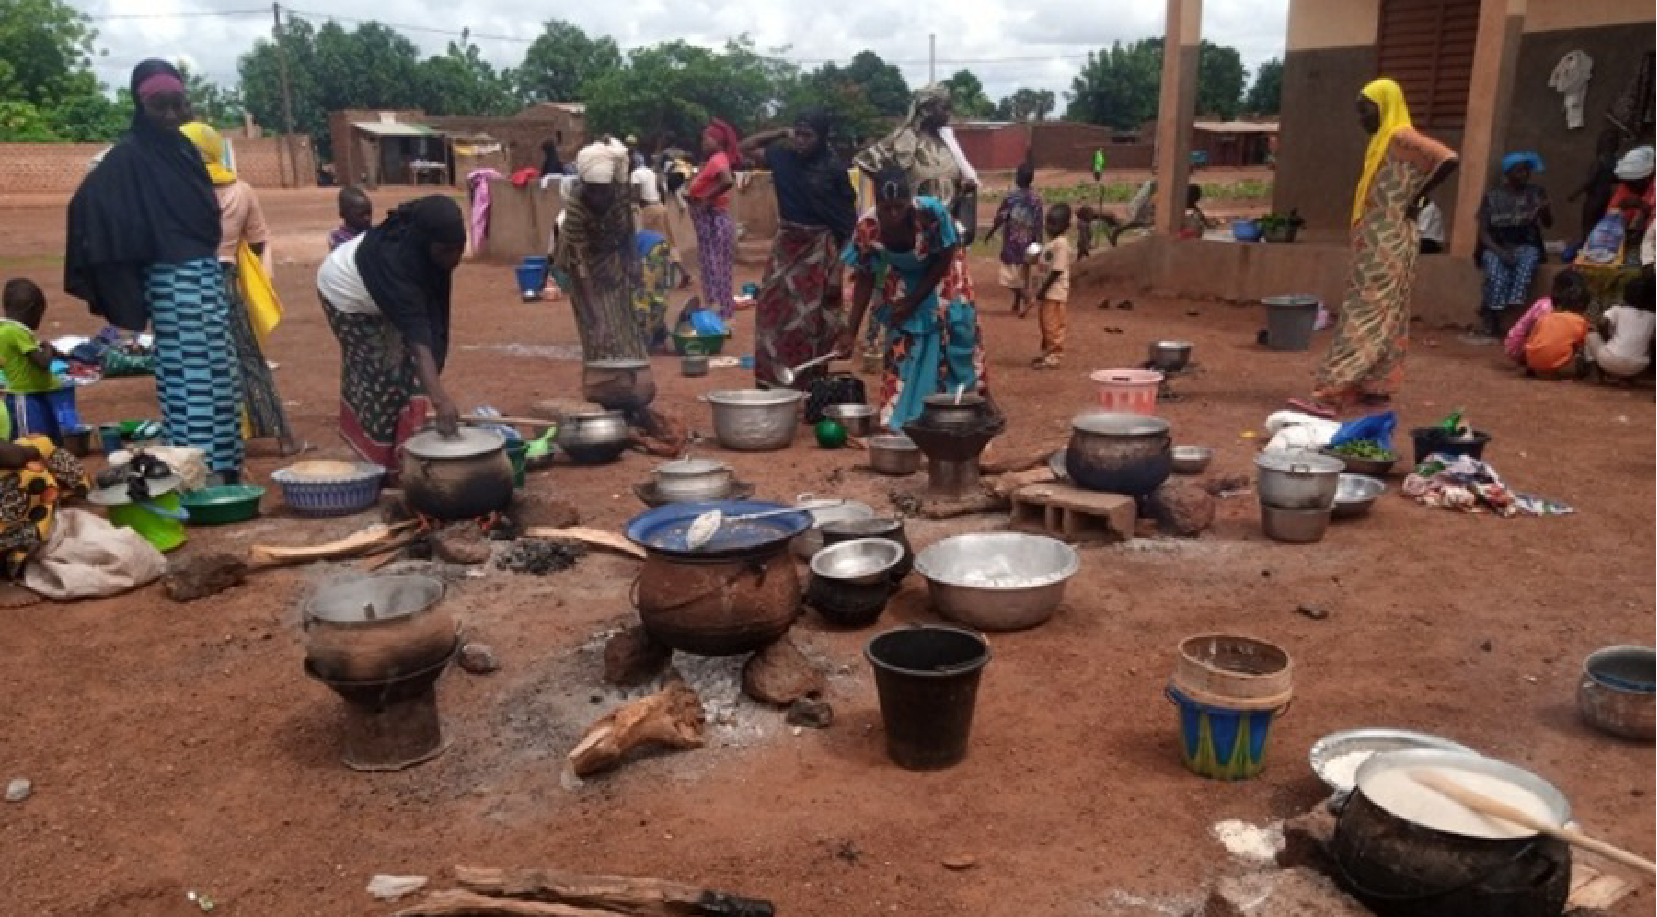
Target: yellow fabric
{"x":1395,"y":114}
{"x":263,"y":308}
{"x":211,"y":146}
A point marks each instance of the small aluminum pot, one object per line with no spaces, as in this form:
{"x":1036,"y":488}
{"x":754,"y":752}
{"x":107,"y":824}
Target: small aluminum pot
{"x":952,"y":411}
{"x":693,"y":365}
{"x":1298,"y":480}
{"x":1170,"y":356}
{"x":894,"y":455}
{"x":858,"y":419}
{"x":686,"y":480}
{"x":755,"y":420}
{"x":594,"y":438}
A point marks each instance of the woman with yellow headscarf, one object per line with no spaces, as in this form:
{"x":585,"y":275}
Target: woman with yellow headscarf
{"x":254,"y":310}
{"x":1365,"y":362}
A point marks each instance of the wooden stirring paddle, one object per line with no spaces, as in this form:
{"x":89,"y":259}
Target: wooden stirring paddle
{"x":1495,"y":808}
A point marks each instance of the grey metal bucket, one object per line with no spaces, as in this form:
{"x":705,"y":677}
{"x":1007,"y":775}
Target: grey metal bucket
{"x":1290,"y":321}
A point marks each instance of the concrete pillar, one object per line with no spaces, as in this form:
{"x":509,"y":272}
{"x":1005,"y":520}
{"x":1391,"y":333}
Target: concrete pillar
{"x":1495,"y":63}
{"x":1175,"y":112}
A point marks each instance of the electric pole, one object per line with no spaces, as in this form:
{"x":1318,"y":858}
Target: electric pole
{"x":287,"y":99}
{"x":932,"y":59}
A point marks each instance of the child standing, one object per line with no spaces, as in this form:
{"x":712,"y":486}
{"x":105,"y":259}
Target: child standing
{"x":1195,"y":222}
{"x":1555,"y":344}
{"x":36,"y":401}
{"x":1019,"y":221}
{"x":356,"y":215}
{"x":1054,"y":291}
{"x":1623,"y":347}
{"x":1570,"y":291}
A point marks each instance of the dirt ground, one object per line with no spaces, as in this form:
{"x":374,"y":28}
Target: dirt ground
{"x":179,"y":747}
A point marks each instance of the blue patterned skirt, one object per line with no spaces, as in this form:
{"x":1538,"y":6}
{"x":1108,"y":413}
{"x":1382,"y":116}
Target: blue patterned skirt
{"x":196,"y":373}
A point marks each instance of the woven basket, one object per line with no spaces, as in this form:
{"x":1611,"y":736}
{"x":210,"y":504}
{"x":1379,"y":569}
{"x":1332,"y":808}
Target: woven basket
{"x":340,"y":495}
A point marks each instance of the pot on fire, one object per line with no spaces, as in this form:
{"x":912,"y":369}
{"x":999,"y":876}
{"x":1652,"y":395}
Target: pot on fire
{"x":377,"y":629}
{"x":1128,"y":454}
{"x":465,"y":477}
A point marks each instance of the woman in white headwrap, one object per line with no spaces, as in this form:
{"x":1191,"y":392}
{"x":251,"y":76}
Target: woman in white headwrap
{"x":595,"y":261}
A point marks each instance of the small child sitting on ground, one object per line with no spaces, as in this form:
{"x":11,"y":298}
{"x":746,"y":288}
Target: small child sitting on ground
{"x":37,"y":402}
{"x":1053,"y":287}
{"x":1196,"y":222}
{"x":356,"y":216}
{"x":1570,"y":290}
{"x":1622,"y":348}
{"x":1554,"y":348}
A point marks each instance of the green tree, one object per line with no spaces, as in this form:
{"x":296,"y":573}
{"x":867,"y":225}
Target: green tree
{"x":461,"y":82}
{"x":882,"y":83}
{"x":92,"y":118}
{"x":832,"y":90}
{"x":967,"y":94}
{"x":219,"y":107}
{"x":22,"y":122}
{"x":1118,"y":86}
{"x":46,"y":51}
{"x":667,"y":92}
{"x":1026,"y":105}
{"x":1265,"y":96}
{"x":1221,"y":79}
{"x":562,"y":61}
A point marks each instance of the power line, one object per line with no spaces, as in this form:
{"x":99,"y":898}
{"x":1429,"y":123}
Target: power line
{"x":198,"y":14}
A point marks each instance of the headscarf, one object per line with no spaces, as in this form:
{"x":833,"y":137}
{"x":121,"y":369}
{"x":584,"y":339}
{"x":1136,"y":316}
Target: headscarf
{"x":1388,"y":96}
{"x":812,"y":187}
{"x":730,"y":142}
{"x":1523,"y":158}
{"x":211,"y":147}
{"x":932,"y":167}
{"x":1637,"y":163}
{"x":148,"y":202}
{"x":410,"y":289}
{"x":602,"y":163}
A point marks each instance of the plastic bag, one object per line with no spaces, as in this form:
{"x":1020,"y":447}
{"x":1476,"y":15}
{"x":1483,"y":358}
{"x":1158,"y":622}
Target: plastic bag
{"x":1376,"y":428}
{"x":1605,"y":242}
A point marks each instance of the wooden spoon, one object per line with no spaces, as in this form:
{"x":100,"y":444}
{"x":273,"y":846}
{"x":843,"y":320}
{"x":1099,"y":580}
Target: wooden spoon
{"x":1495,"y":808}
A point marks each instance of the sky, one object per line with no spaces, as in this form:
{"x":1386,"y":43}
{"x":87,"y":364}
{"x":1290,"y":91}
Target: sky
{"x":1038,"y":43}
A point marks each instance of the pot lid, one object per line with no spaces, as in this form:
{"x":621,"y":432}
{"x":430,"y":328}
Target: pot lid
{"x":1297,"y":462}
{"x":1106,"y":423}
{"x":617,"y":364}
{"x":470,"y":442}
{"x":690,"y":467}
{"x":662,"y":530}
{"x":968,"y":401}
{"x":1388,"y":780}
{"x":374,"y":599}
{"x":1172,"y":345}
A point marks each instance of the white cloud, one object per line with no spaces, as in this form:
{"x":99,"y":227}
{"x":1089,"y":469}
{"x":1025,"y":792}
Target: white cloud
{"x":1039,"y":43}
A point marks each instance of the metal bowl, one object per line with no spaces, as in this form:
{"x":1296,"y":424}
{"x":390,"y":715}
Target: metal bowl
{"x":1170,"y":356}
{"x":1356,"y":494}
{"x":1372,"y":467}
{"x":1295,"y":526}
{"x":860,"y":562}
{"x":858,"y":419}
{"x":1373,"y":740}
{"x":755,"y":420}
{"x":893,"y":454}
{"x":997,"y":581}
{"x":1192,"y":459}
{"x":810,"y":541}
{"x":1616,"y":694}
{"x":693,"y":479}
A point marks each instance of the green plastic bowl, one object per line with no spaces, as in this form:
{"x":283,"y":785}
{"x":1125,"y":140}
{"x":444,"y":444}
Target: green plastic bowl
{"x":699,"y":344}
{"x":222,"y":505}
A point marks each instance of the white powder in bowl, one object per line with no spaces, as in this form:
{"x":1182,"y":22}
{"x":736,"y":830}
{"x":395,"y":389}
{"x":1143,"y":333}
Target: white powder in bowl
{"x":1342,"y":770}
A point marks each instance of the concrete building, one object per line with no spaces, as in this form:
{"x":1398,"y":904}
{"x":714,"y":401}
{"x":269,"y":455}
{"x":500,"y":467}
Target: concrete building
{"x":410,"y":146}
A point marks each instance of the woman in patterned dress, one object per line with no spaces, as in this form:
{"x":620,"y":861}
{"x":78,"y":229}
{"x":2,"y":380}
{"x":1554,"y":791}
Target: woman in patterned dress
{"x":142,"y":250}
{"x":1512,"y":216}
{"x":1365,"y":362}
{"x":908,"y":252}
{"x":709,"y":196}
{"x":596,"y":259}
{"x":34,"y":477}
{"x":386,"y":296}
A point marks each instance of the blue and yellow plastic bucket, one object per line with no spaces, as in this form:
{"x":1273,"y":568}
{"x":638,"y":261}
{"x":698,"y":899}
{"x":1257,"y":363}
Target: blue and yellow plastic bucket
{"x":1221,"y":742}
{"x":1229,"y":689}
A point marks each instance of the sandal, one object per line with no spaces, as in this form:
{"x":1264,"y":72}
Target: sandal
{"x":1313,"y":407}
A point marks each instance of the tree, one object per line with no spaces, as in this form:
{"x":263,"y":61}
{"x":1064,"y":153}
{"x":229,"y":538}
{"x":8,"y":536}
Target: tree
{"x":1026,"y":105}
{"x":1118,"y":86}
{"x":882,"y":83}
{"x":1265,"y":97}
{"x":1221,"y":78}
{"x":670,"y":90}
{"x":46,"y":52}
{"x":461,"y":82}
{"x":219,"y":107}
{"x":828,"y":89}
{"x":562,"y":61}
{"x":966,"y":93}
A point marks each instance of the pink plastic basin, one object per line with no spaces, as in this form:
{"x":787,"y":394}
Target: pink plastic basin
{"x":1128,"y":391}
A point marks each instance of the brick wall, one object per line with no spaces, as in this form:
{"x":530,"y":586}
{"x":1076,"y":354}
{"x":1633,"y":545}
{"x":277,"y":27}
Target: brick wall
{"x":59,"y":167}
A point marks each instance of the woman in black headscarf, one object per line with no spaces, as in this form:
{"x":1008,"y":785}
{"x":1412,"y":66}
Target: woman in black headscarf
{"x":143,"y":250}
{"x":386,"y":296}
{"x":799,"y":312}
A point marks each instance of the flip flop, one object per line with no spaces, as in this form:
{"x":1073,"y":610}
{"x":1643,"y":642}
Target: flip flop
{"x":1308,"y":406}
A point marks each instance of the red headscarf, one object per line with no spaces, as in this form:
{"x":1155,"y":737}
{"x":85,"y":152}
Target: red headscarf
{"x":730,"y":142}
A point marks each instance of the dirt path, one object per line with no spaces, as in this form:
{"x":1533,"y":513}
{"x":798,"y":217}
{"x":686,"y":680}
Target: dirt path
{"x":177,"y":747}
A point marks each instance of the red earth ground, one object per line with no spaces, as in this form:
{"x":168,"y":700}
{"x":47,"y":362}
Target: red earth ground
{"x":177,"y":747}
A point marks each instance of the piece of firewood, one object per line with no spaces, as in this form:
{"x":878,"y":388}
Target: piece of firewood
{"x":469,"y":904}
{"x":596,"y":537}
{"x":672,"y":717}
{"x":1020,"y":460}
{"x":352,"y":545}
{"x":1010,"y":483}
{"x":636,"y":897}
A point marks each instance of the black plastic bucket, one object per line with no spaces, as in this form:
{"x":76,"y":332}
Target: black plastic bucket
{"x":1434,"y":439}
{"x":927,"y":678}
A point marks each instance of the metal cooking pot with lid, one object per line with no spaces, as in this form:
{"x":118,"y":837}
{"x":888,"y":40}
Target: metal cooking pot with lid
{"x":462,"y":477}
{"x":1298,"y":480}
{"x":1170,"y":356}
{"x":1407,"y":864}
{"x":618,"y":385}
{"x":1128,"y":454}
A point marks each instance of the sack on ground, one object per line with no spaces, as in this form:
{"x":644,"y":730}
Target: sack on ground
{"x":87,"y":558}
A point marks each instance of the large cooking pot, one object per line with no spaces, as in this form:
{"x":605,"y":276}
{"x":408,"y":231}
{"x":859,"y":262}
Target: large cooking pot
{"x":1128,"y":454}
{"x":377,"y":629}
{"x":618,"y":385}
{"x":593,"y":438}
{"x":1298,"y":480}
{"x":718,"y":608}
{"x":1401,"y":867}
{"x":465,"y":477}
{"x":755,"y":420}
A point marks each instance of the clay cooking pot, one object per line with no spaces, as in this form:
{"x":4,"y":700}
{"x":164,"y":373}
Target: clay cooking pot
{"x":378,"y":628}
{"x":721,"y":608}
{"x":462,"y":478}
